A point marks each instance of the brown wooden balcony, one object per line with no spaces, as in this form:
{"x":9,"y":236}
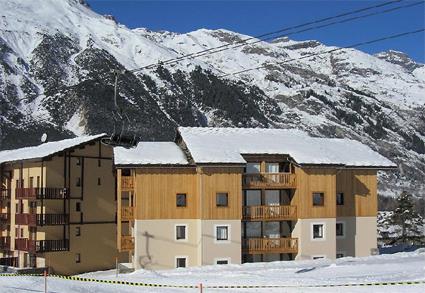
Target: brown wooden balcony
{"x":26,"y":219}
{"x":127,"y":183}
{"x":127,"y":214}
{"x":127,"y":243}
{"x":33,"y":246}
{"x":5,"y":243}
{"x":269,"y":180}
{"x":269,"y":245}
{"x":4,"y":194}
{"x":52,"y":219}
{"x":269,"y":213}
{"x":9,"y":261}
{"x":41,"y":193}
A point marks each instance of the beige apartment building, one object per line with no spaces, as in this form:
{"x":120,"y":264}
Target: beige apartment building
{"x":58,"y":206}
{"x":231,"y":195}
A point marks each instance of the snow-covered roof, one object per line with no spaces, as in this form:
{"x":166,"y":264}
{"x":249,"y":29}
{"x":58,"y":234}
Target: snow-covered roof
{"x":45,"y":149}
{"x":227,"y":145}
{"x":150,"y":153}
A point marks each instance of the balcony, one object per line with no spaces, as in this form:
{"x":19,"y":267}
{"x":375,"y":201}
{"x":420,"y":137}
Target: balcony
{"x":4,"y":194}
{"x":26,"y":219}
{"x":269,"y":180}
{"x":5,"y":243}
{"x":269,"y":213}
{"x":269,"y":245}
{"x":127,"y":214}
{"x":4,"y":218}
{"x":9,"y":261}
{"x":41,"y":193}
{"x":52,"y":219}
{"x":34,"y":246}
{"x":127,"y":183}
{"x":127,"y":243}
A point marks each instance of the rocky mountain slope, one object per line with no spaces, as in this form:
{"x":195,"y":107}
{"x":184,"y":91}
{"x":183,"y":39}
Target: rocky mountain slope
{"x":57,"y":58}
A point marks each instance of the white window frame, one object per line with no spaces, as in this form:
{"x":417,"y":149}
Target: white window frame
{"x":318,"y":256}
{"x":312,"y":231}
{"x":228,"y":234}
{"x":186,"y":233}
{"x":340,"y":252}
{"x":344,"y":227}
{"x":223,"y":258}
{"x":181,"y":256}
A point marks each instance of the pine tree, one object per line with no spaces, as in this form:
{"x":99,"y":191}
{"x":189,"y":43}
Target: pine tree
{"x":407,"y":222}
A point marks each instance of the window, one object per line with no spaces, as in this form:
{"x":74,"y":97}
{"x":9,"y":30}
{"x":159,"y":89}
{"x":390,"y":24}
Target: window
{"x":78,"y":161}
{"x":38,"y":181}
{"x":181,"y":232}
{"x":222,"y":261}
{"x":340,"y":230}
{"x":222,"y":199}
{"x":78,"y":183}
{"x":77,"y":258}
{"x":252,"y":168}
{"x":78,"y":206}
{"x":17,"y":184}
{"x":222,"y":233}
{"x":340,"y":254}
{"x":181,"y":262}
{"x":318,"y":198}
{"x":181,"y":200}
{"x":126,"y":172}
{"x":340,"y":198}
{"x":99,"y":163}
{"x":318,"y":257}
{"x":31,"y":182}
{"x":272,"y":167}
{"x":318,"y":231}
{"x":98,"y":181}
{"x":77,"y":231}
{"x":32,"y":204}
{"x":22,"y":232}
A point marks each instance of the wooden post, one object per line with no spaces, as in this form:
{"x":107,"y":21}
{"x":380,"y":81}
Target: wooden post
{"x":200,"y":287}
{"x":45,"y":280}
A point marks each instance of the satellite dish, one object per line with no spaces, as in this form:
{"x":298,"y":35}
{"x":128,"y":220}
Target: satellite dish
{"x":44,"y":138}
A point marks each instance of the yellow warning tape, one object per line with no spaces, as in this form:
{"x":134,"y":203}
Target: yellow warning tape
{"x":80,"y":279}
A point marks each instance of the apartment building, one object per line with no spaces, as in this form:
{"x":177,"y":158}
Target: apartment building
{"x":230,"y":195}
{"x":58,"y":206}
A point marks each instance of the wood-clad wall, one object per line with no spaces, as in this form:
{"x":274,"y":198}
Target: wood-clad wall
{"x":360,"y":192}
{"x":311,"y":180}
{"x":216,"y":179}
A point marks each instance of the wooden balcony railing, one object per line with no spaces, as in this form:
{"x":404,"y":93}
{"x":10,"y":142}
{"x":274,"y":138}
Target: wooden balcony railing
{"x":127,"y":213}
{"x":269,"y":180}
{"x":127,"y":243}
{"x":41,"y":193}
{"x":270,"y":245}
{"x":33,"y":246}
{"x":5,"y":243}
{"x":9,"y":261}
{"x":269,"y":213}
{"x":26,"y":219}
{"x":52,"y":219}
{"x":4,"y":194}
{"x":127,"y":183}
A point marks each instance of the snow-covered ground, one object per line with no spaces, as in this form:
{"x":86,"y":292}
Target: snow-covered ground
{"x":295,"y":275}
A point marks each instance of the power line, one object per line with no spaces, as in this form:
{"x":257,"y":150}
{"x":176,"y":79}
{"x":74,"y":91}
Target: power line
{"x":173,"y":60}
{"x":329,"y":51}
{"x":313,"y":28}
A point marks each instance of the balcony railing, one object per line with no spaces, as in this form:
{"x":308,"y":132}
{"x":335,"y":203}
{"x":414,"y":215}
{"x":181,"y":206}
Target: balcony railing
{"x":127,"y":243}
{"x":5,"y":243}
{"x":4,"y":194}
{"x":127,"y":213}
{"x":41,"y":193}
{"x":269,"y":180}
{"x":9,"y":261}
{"x":25,"y":219}
{"x":270,"y":213}
{"x":33,"y":246}
{"x":127,"y":183}
{"x":270,"y":245}
{"x":52,"y":219}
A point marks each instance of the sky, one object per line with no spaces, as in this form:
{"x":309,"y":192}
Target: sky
{"x":257,"y":17}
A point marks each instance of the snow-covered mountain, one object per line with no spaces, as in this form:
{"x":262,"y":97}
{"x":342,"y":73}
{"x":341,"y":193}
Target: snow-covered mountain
{"x":57,"y":57}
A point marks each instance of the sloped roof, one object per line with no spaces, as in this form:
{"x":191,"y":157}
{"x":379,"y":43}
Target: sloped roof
{"x":45,"y":149}
{"x":150,"y":153}
{"x":227,"y":145}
